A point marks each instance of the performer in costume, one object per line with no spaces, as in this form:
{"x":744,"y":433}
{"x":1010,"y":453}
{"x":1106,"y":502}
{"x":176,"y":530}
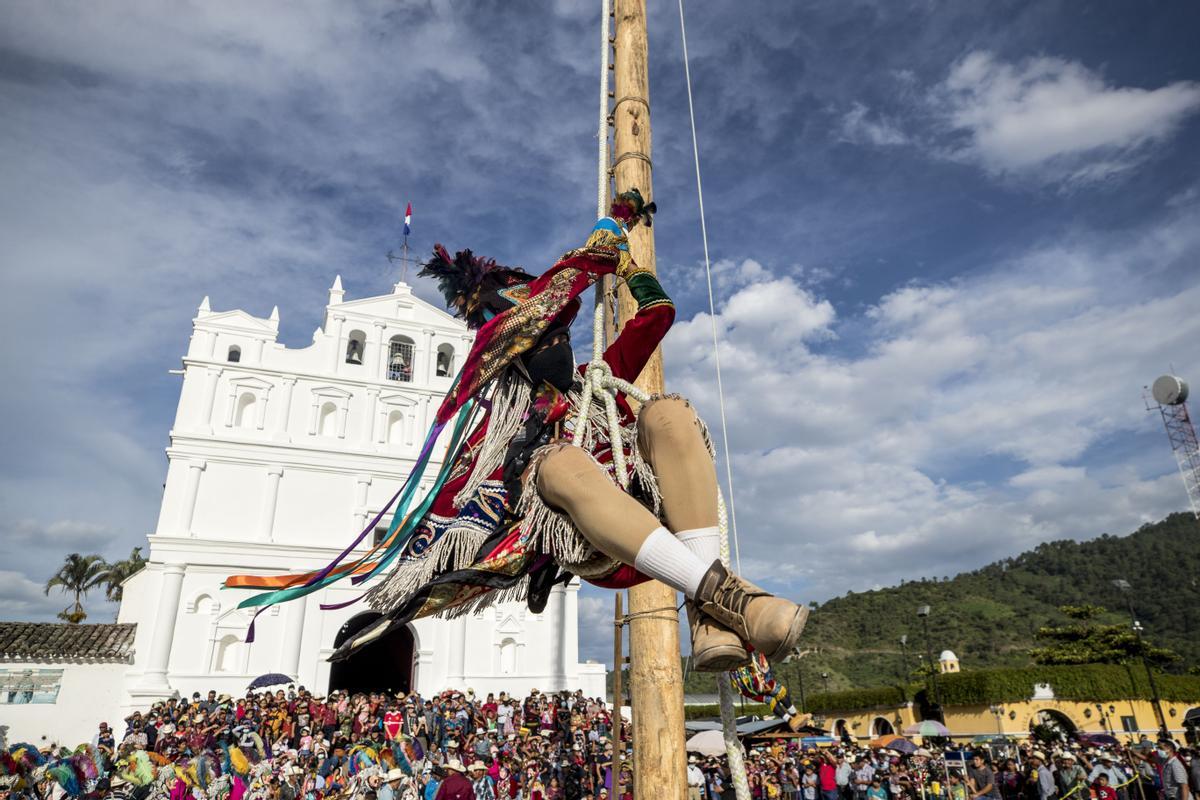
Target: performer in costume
{"x":757,"y":682}
{"x":518,"y":507}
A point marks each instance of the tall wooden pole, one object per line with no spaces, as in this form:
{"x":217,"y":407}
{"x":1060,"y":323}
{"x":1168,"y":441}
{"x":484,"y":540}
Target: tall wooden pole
{"x":655,"y":677}
{"x":618,"y":693}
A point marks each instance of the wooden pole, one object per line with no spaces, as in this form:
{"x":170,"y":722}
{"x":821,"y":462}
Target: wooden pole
{"x":655,"y":675}
{"x":618,"y":691}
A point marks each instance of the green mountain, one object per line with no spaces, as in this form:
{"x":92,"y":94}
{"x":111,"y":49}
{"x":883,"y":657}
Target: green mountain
{"x":988,"y":617}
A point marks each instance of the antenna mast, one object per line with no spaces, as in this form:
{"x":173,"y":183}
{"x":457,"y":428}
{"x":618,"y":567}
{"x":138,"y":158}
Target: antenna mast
{"x":1168,"y":395}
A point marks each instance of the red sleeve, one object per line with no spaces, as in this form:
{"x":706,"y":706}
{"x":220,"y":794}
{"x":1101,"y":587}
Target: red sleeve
{"x":634,"y":346}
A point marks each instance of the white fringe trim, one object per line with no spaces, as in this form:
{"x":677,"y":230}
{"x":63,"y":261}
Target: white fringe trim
{"x":510,"y":404}
{"x":455,"y":549}
{"x":515,"y":593}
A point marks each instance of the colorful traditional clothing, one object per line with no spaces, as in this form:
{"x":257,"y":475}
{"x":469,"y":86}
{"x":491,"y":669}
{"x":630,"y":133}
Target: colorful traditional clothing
{"x":484,"y":534}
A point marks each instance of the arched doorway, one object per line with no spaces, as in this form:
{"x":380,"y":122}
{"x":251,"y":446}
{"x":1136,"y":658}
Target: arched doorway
{"x":383,"y":665}
{"x":1048,"y":725}
{"x":881,"y":727}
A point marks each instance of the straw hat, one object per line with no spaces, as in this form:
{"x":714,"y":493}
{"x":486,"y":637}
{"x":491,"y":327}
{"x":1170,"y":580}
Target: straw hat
{"x":477,"y":764}
{"x":393,"y":774}
{"x":455,"y":765}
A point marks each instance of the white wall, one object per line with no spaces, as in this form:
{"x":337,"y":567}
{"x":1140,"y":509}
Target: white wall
{"x":273,"y":495}
{"x":90,"y":694}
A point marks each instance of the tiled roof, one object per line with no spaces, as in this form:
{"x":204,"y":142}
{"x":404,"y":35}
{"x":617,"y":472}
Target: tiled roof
{"x":53,"y":641}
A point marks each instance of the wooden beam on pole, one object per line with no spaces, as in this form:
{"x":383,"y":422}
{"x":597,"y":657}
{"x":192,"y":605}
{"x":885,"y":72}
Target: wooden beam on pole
{"x":655,"y":675}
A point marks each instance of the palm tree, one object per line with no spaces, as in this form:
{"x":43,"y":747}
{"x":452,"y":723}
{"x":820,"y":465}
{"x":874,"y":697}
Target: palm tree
{"x":77,"y":575}
{"x":119,"y":571}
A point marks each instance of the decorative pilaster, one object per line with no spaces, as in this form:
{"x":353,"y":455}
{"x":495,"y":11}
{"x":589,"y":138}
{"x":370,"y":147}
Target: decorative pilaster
{"x":155,"y":674}
{"x":558,"y":605}
{"x":285,"y":410}
{"x":266,"y":523}
{"x":338,"y":320}
{"x":568,"y":635}
{"x":380,"y":352}
{"x":191,"y":491}
{"x":368,"y":429}
{"x":211,"y":377}
{"x":293,"y":638}
{"x":428,"y":358}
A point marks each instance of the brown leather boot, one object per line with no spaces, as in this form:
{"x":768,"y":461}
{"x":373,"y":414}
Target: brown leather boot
{"x":715,"y":648}
{"x":799,"y":721}
{"x":771,"y":624}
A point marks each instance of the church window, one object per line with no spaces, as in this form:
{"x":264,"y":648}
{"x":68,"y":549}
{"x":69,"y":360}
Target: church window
{"x":378,"y":535}
{"x":244,"y":416}
{"x":23,"y":686}
{"x":400,"y":359}
{"x":355,"y":347}
{"x":508,"y":657}
{"x":227,"y":650}
{"x":445,"y":361}
{"x":395,"y":427}
{"x":204,"y":604}
{"x":235,"y":354}
{"x":327,"y":422}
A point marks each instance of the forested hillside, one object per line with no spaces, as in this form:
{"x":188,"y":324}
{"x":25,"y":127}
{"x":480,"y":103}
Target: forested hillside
{"x":988,"y":617}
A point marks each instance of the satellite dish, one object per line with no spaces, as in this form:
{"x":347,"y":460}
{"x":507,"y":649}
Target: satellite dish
{"x":1169,"y":390}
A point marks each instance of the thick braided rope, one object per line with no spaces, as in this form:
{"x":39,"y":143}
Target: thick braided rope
{"x":601,"y":385}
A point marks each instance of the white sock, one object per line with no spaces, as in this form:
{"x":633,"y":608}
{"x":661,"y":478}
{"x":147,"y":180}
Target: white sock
{"x":665,"y":558}
{"x":704,"y":542}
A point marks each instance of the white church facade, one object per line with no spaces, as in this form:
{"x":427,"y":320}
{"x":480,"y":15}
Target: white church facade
{"x":278,"y":457}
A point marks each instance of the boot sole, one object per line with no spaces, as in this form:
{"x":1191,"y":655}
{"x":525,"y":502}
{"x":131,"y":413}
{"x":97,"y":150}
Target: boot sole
{"x":720,"y":659}
{"x":789,"y":642}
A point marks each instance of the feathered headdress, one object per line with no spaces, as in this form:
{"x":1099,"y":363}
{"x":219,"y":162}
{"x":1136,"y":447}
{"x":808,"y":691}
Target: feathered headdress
{"x":631,"y":208}
{"x":477,"y":289}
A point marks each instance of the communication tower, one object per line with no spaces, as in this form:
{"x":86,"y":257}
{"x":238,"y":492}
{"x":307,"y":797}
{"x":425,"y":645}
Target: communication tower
{"x":1169,"y":397}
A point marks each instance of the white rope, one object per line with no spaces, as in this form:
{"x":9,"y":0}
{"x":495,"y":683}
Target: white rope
{"x":602,"y":134}
{"x":733,"y":748}
{"x":600,"y":384}
{"x":712,"y":313}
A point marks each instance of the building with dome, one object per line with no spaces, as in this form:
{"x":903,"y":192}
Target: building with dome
{"x":278,"y":457}
{"x":948,"y":662}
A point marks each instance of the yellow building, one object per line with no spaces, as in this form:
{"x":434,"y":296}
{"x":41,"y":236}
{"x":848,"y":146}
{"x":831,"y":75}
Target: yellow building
{"x":1016,"y":720}
{"x":1087,"y":701}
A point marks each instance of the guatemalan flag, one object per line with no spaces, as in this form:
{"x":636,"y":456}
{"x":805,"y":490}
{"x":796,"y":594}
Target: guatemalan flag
{"x":408,"y":220}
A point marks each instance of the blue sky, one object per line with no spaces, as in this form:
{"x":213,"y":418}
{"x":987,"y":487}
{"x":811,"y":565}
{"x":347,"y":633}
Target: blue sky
{"x":952,"y":242}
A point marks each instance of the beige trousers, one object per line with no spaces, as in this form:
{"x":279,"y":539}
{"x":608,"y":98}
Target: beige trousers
{"x":612,"y":521}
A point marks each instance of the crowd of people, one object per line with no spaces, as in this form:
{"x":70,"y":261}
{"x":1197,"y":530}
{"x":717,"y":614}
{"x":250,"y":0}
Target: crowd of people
{"x":792,"y":771}
{"x":292,"y":745}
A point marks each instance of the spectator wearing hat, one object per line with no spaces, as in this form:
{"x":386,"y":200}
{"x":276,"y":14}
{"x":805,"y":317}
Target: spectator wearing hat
{"x":1070,"y":776}
{"x":455,"y":786}
{"x":481,"y":782}
{"x":1040,"y":776}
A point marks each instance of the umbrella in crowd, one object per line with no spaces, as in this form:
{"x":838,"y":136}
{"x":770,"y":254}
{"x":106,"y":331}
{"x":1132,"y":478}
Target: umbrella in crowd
{"x":898,"y":744}
{"x":1098,"y":740}
{"x":707,"y":743}
{"x":270,"y":679}
{"x":927,"y":728}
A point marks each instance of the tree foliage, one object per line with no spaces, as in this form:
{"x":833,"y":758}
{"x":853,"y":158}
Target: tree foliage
{"x":120,"y":571}
{"x":77,"y":576}
{"x":1086,"y":641}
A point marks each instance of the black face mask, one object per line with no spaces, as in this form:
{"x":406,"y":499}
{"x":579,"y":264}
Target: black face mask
{"x":554,"y":364}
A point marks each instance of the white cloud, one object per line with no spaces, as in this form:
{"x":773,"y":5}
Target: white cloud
{"x":858,"y":126}
{"x":955,"y":436}
{"x":1052,"y":120}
